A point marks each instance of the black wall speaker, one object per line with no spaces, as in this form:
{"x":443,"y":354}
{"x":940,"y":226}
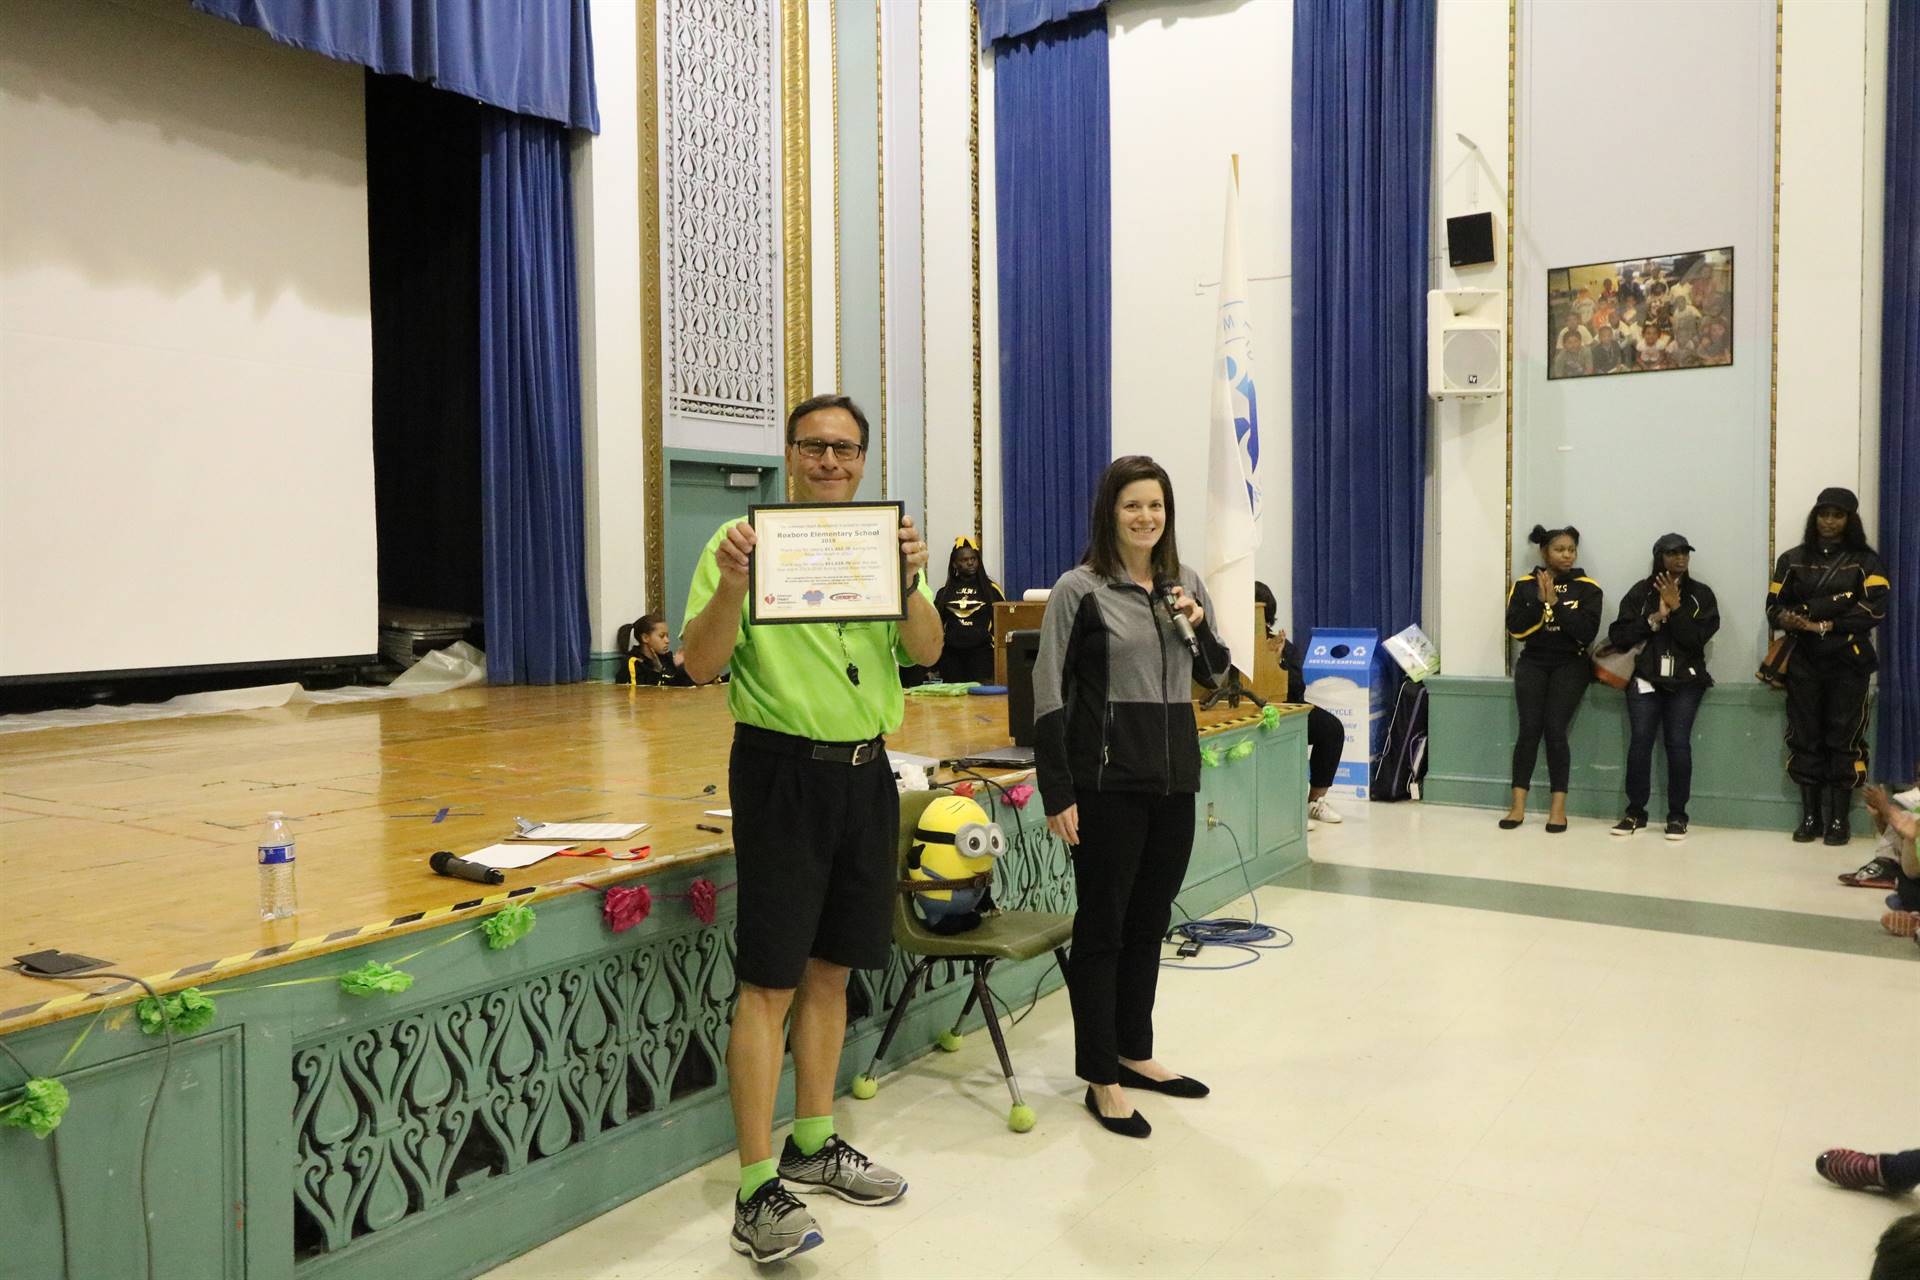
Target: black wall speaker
{"x":1470,"y":239}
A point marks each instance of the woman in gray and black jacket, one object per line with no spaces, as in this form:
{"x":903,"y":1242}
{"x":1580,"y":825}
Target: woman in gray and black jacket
{"x":1118,"y":754}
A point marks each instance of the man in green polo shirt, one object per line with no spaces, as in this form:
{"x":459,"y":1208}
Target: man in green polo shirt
{"x":815,"y":818}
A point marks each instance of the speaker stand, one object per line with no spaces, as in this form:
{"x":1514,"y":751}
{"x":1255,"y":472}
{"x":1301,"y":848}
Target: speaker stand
{"x":1232,"y":692}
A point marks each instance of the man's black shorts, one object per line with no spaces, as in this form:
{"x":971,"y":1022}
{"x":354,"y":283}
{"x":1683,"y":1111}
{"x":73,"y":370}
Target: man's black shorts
{"x":815,"y":843}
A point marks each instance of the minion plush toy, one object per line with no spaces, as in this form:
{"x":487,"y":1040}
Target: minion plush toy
{"x":954,"y":840}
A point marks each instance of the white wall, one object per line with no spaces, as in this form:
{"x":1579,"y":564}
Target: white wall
{"x":186,"y":464}
{"x":1467,"y":560}
{"x":946,"y":54}
{"x":1627,"y":458}
{"x":947,"y":50}
{"x":1832,"y":153}
{"x":1192,"y":83}
{"x":905,"y":371}
{"x":607,"y":219}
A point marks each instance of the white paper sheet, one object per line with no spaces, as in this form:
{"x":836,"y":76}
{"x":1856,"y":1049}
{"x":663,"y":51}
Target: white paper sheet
{"x":574,"y":831}
{"x":508,"y":857}
{"x":720,"y":813}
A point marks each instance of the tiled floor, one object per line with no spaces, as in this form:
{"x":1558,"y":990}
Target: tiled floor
{"x":1412,"y":1090}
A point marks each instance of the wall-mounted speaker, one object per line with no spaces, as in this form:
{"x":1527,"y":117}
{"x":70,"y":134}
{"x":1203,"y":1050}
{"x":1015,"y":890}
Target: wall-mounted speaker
{"x":1470,"y":239}
{"x":1466,"y":343}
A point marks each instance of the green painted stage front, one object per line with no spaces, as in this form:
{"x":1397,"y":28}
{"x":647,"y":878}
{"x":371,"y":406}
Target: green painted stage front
{"x":1739,"y":754}
{"x":508,"y":1096}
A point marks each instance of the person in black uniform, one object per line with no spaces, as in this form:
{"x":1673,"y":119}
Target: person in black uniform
{"x":1828,"y":594}
{"x":1554,"y":612}
{"x":651,"y":659}
{"x":1671,"y":615}
{"x":966,"y":611}
{"x":1326,"y":736}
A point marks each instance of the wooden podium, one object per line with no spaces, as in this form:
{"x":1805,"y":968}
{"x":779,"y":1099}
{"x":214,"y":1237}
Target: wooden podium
{"x":1268,"y":679}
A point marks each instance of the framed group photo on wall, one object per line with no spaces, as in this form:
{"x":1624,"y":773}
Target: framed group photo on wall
{"x":1642,"y":315}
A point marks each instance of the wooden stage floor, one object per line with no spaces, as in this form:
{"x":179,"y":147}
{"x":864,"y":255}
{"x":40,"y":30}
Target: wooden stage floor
{"x":134,"y":842}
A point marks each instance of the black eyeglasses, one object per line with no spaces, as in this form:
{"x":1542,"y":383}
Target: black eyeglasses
{"x":844,"y":450}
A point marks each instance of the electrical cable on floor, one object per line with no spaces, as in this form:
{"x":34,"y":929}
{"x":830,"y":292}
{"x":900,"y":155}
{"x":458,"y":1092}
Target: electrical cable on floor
{"x":1031,"y":1004}
{"x":1249,"y":936}
{"x":146,"y":1139}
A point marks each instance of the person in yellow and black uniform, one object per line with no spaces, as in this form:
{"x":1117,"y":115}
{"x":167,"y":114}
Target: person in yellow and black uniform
{"x":1555,"y":612}
{"x":966,"y":612}
{"x":1828,"y":594}
{"x":650,"y":656}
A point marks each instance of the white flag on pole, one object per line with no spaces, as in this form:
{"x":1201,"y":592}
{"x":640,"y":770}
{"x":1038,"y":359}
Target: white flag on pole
{"x":1233,"y":453}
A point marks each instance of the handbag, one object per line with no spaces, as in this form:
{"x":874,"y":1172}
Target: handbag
{"x":1773,"y":667}
{"x":1614,"y":667}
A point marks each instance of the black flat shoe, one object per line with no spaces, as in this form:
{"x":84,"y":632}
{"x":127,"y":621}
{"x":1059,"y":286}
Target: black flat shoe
{"x":1133,"y":1126}
{"x":1556,"y":828}
{"x":1178,"y":1087}
{"x":1508,"y":824}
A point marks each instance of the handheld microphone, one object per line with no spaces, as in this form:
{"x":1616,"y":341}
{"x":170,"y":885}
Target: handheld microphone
{"x":1181,"y":627}
{"x":446,"y":864}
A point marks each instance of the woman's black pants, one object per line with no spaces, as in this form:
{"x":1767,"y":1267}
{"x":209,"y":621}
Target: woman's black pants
{"x":1548,"y":693}
{"x":1826,"y":722}
{"x":1326,"y":739}
{"x":1129,"y":864}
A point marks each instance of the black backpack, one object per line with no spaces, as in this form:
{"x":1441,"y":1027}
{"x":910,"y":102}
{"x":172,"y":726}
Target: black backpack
{"x":1402,"y":763}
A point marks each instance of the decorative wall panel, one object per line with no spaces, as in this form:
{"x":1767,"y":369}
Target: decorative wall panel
{"x":720,"y":183}
{"x":392,"y":1119}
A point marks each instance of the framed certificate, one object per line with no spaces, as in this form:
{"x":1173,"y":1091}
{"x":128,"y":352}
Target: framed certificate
{"x":827,"y":562}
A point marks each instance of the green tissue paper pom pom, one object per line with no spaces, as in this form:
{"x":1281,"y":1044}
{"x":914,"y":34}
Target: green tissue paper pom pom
{"x":507,"y":925}
{"x":188,"y":1011}
{"x":1269,"y":717}
{"x":39,"y":1109}
{"x":375,"y":978}
{"x":1210,"y":757}
{"x":1240,"y":750}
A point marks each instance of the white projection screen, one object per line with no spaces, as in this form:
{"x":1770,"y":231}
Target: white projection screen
{"x":186,"y":456}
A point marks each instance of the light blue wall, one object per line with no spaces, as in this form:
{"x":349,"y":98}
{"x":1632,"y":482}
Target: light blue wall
{"x":1648,"y":130}
{"x":856,"y":35}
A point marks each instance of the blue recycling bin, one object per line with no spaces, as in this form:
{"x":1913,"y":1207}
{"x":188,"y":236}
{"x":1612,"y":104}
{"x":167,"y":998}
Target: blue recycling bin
{"x":1344,"y":669}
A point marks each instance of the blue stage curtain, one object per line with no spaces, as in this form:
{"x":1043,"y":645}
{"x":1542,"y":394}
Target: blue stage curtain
{"x":1056,"y":290}
{"x":1899,"y":541}
{"x":1003,"y":19}
{"x":531,"y":492}
{"x":533,"y":57}
{"x":1362,"y":141}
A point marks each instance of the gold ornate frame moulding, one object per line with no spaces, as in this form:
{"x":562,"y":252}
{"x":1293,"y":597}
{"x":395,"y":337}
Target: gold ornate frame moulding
{"x":796,"y":204}
{"x":1773,"y":350}
{"x":652,"y":402}
{"x":973,"y":162}
{"x":796,"y":195}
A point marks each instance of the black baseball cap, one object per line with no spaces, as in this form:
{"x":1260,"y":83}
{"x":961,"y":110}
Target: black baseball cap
{"x":1844,"y":499}
{"x":1671,"y":542}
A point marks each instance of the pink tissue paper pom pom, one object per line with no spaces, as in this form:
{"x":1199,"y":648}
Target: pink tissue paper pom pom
{"x":626,"y":906}
{"x":704,"y":899}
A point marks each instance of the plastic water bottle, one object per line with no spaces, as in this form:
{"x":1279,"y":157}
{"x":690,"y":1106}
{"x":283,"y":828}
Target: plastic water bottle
{"x":277,"y":900}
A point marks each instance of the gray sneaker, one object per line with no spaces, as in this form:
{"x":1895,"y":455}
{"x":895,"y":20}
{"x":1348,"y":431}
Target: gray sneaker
{"x":772,"y":1224}
{"x":839,"y":1169}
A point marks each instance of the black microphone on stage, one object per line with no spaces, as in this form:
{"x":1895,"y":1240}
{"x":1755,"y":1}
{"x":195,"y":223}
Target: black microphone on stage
{"x":446,"y":864}
{"x":1164,"y":589}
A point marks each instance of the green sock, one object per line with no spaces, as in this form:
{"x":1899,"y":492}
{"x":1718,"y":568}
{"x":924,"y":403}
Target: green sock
{"x":810,"y":1133}
{"x":754,"y":1176}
